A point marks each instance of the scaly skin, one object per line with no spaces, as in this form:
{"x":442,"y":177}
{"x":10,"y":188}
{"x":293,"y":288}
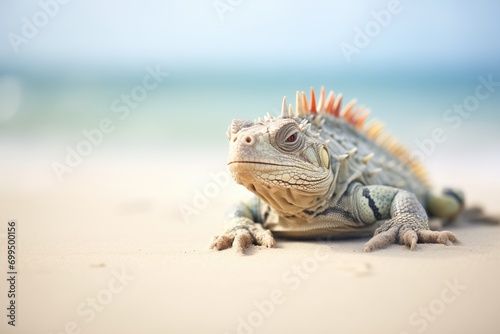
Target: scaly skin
{"x":319,"y":174}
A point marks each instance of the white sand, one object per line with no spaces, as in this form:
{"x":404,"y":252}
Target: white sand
{"x":113,"y":214}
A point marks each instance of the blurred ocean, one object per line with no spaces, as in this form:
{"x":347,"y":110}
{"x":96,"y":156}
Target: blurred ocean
{"x":192,"y":109}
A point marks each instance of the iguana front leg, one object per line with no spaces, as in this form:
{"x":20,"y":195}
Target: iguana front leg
{"x":406,"y":219}
{"x":243,"y":228}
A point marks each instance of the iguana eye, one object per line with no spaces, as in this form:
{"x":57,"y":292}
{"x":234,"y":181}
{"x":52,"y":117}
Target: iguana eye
{"x":289,"y":138}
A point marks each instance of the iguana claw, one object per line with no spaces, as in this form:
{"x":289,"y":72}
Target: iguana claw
{"x":409,"y":238}
{"x":241,"y":238}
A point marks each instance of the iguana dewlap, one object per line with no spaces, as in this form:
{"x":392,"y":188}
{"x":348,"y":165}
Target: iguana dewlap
{"x":319,"y":172}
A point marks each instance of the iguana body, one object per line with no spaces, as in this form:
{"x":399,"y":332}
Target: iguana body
{"x":320,"y":173}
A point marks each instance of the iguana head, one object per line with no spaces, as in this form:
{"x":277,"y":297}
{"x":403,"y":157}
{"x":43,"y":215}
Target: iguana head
{"x":281,"y":161}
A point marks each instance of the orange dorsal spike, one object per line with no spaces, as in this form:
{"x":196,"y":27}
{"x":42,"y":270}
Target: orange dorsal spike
{"x":362,"y":118}
{"x":321,"y":102}
{"x":347,"y":112}
{"x":337,"y":104}
{"x":312,"y":108}
{"x":304,"y":101}
{"x":355,"y":115}
{"x":374,"y":129}
{"x":329,"y":102}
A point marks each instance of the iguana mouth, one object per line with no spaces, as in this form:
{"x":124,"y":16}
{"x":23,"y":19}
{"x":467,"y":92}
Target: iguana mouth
{"x":257,"y":163}
{"x":269,"y":165}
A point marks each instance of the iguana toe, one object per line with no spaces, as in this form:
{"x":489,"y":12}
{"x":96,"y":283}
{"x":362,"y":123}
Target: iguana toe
{"x":265,"y":238}
{"x":437,"y":237}
{"x":241,"y":238}
{"x":410,"y":239}
{"x":382,"y":240}
{"x":222,"y":242}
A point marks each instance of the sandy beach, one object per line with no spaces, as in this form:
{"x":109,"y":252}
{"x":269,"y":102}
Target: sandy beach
{"x":109,"y":251}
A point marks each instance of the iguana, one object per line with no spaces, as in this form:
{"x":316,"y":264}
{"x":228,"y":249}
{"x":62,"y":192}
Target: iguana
{"x":319,"y":171}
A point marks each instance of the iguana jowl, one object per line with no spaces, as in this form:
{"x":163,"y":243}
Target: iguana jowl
{"x":320,"y":173}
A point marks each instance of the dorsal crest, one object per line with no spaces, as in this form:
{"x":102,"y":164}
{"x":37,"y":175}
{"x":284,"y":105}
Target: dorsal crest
{"x":356,"y":116}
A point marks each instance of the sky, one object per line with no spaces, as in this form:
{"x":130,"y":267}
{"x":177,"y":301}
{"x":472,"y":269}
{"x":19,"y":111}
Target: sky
{"x":249,"y":34}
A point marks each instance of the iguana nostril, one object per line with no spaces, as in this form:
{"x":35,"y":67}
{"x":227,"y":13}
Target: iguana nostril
{"x":249,"y":140}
